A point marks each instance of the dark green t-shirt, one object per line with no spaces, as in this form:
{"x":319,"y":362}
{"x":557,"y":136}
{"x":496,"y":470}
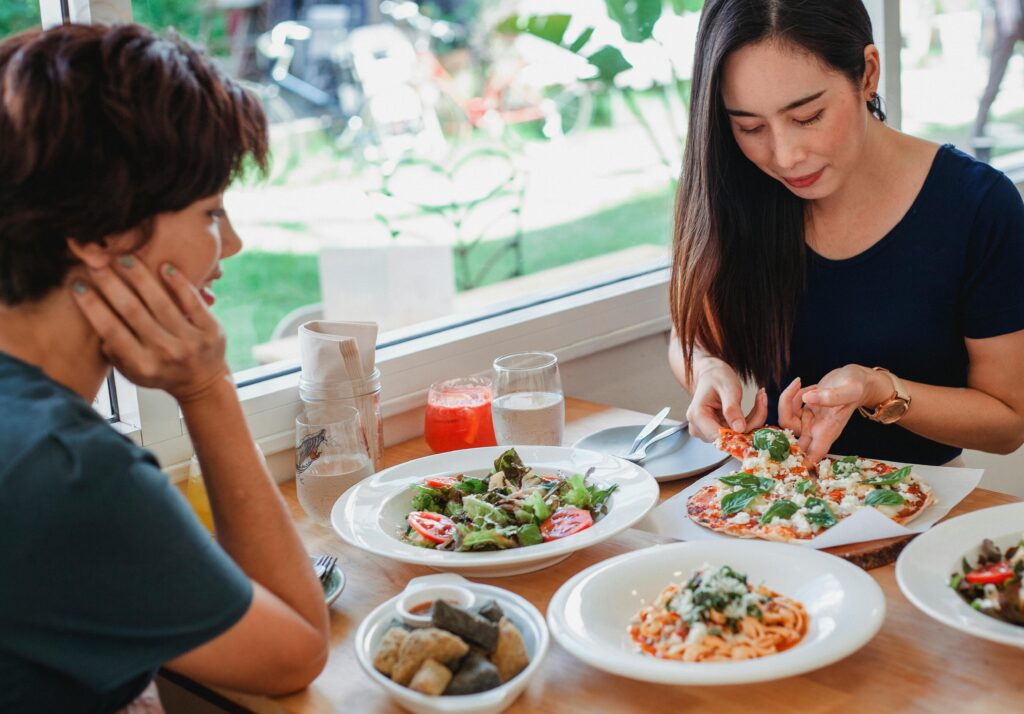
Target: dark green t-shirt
{"x":105,"y":573}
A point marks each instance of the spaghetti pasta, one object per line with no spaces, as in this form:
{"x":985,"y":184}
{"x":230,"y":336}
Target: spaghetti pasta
{"x":716,"y":616}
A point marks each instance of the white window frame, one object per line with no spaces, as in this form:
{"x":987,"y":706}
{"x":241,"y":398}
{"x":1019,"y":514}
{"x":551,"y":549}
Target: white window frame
{"x":574,"y":326}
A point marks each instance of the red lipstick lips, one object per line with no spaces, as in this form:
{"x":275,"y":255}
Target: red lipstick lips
{"x":804,"y":181}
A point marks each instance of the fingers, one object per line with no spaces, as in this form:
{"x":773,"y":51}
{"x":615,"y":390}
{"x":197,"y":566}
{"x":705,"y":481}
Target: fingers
{"x":790,"y":406}
{"x":154,"y":295}
{"x":704,"y":422}
{"x":114,"y":335}
{"x":188,"y":298}
{"x":730,"y":396}
{"x":823,"y":435}
{"x":822,"y":429}
{"x":806,"y":424}
{"x":124,"y":302}
{"x":759,"y":414}
{"x":838,"y":396}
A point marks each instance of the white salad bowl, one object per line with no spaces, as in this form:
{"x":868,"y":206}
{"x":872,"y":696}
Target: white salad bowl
{"x":372,"y":515}
{"x":926,"y":565}
{"x":590,"y":614}
{"x":523,"y":615}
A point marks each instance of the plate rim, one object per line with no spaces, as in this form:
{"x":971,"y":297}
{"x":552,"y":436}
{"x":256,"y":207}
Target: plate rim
{"x":910,"y":586}
{"x":660,"y":479}
{"x":492,"y":559}
{"x":728,"y":674}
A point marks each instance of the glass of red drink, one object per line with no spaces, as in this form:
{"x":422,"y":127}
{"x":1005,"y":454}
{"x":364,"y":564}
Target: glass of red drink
{"x":459,"y":414}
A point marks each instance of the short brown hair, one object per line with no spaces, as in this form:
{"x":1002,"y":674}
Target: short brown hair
{"x":101,"y":129}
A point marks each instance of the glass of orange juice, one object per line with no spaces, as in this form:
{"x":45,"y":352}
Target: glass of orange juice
{"x":195,"y":494}
{"x":195,"y":491}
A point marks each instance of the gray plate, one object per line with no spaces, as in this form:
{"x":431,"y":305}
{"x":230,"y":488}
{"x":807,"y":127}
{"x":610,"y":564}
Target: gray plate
{"x":334,"y":585}
{"x":675,"y":457}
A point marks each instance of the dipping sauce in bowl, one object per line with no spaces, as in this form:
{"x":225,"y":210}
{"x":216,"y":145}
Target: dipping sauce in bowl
{"x":415,"y":608}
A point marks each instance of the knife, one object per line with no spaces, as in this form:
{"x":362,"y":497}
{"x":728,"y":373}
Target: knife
{"x":649,"y":429}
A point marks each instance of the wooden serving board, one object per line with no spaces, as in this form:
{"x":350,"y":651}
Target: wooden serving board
{"x":873,"y":553}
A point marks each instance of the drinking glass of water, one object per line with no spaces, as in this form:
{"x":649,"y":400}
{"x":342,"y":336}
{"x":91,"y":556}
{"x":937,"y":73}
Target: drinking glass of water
{"x":528,"y":406}
{"x":331,"y":455}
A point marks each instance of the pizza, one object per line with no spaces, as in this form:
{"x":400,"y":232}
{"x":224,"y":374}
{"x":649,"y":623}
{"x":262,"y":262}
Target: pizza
{"x":777,"y":496}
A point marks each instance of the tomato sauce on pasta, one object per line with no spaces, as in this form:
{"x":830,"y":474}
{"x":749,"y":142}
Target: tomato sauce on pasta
{"x":716,"y":616}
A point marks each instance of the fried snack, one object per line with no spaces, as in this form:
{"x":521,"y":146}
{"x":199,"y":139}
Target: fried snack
{"x":468,"y":625}
{"x":390,"y":645}
{"x":492,"y":611}
{"x":510,"y":655}
{"x":421,"y":645}
{"x":431,"y":678}
{"x":476,"y":674}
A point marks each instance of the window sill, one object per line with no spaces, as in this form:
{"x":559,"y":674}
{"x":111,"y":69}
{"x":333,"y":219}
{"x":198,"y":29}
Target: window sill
{"x":573,"y":326}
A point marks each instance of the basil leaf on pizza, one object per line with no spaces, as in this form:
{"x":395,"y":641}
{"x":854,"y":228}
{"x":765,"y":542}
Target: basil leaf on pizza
{"x":760,"y":484}
{"x":846,"y":466}
{"x":819,"y":512}
{"x":805,"y":486}
{"x":890,"y":479}
{"x":738,"y":500}
{"x":884,"y":497}
{"x":773,"y":441}
{"x":780,"y":509}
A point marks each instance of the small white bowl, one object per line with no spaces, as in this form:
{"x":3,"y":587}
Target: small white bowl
{"x":412,"y":597}
{"x":523,"y":614}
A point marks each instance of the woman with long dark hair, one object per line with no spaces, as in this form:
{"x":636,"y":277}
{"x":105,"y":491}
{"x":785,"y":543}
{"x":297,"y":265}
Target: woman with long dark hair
{"x":116,"y":147}
{"x":868,"y":281}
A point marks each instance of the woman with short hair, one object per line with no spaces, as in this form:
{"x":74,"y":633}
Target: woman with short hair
{"x":116,"y":147}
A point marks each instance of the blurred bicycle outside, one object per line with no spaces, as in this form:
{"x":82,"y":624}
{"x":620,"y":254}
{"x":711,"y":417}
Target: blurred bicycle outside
{"x":410,"y":86}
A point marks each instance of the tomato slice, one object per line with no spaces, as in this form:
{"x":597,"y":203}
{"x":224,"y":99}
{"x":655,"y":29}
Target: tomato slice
{"x":432,"y":526}
{"x":440,"y":481}
{"x":565,"y":522}
{"x":993,"y":573}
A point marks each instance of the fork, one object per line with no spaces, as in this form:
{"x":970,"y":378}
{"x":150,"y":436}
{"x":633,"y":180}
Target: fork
{"x":640,"y":454}
{"x":323,"y":566}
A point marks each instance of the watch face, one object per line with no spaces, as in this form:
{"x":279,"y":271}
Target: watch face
{"x":888,"y":413}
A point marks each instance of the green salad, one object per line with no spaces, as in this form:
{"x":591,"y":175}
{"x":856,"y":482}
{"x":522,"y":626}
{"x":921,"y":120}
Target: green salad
{"x":511,"y":507}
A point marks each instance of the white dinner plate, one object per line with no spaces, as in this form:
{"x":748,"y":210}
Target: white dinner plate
{"x":590,"y":614}
{"x":925,"y":566}
{"x":371,"y":515}
{"x":674,"y":457}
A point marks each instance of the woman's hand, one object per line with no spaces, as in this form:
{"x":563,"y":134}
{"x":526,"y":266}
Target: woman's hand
{"x":819,"y":413}
{"x":157,"y":335}
{"x":716,"y":403}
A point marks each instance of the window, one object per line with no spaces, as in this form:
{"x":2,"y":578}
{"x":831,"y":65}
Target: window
{"x":963,"y":75}
{"x":594,"y":197}
{"x":439,"y":162}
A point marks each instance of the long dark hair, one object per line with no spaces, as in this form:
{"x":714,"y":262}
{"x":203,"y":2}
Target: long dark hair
{"x":738,"y":267}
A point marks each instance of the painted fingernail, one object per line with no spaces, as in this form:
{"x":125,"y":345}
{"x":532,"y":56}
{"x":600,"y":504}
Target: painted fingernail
{"x":127,"y":261}
{"x":169,"y":269}
{"x":79,"y":287}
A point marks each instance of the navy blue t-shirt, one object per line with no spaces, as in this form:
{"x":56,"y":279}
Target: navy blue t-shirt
{"x":105,"y":572}
{"x":952,"y":268}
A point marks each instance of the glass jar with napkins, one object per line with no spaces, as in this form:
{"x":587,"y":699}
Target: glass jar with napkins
{"x":338,"y":370}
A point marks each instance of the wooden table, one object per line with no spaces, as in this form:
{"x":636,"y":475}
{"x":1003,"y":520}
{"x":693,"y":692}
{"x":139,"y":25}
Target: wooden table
{"x":913,"y":664}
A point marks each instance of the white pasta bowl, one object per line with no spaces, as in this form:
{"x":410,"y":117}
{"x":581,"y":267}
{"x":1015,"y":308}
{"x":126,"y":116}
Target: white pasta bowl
{"x":590,"y":614}
{"x":925,"y":566}
{"x":372,"y":515}
{"x":523,"y":615}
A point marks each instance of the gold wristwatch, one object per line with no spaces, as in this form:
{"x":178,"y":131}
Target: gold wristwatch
{"x":892,"y":409}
